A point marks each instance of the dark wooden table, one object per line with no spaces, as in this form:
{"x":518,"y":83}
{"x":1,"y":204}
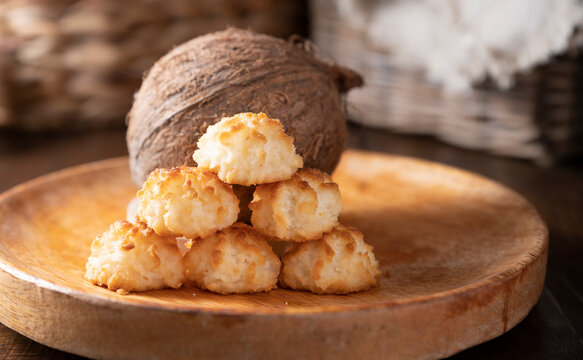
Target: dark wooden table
{"x":553,"y":329}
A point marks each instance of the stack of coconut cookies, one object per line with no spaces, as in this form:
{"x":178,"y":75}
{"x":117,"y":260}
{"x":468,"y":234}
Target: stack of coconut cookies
{"x":190,"y":228}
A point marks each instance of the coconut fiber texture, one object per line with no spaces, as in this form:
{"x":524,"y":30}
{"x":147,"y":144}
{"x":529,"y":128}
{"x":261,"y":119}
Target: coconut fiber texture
{"x":232,"y":71}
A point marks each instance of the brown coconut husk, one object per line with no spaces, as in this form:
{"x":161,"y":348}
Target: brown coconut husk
{"x":234,"y":71}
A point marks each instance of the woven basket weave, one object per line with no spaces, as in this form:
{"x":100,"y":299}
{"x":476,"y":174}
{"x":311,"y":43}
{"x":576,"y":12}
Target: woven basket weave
{"x":539,"y":118}
{"x":76,"y":63}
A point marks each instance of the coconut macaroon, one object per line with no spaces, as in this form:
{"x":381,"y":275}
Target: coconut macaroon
{"x":234,"y":260}
{"x":186,"y":201}
{"x":339,"y":263}
{"x":131,"y":257}
{"x":248,"y":149}
{"x":299,"y":209}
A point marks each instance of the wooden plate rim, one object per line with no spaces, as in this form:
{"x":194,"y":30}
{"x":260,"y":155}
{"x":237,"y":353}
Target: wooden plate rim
{"x":474,"y":287}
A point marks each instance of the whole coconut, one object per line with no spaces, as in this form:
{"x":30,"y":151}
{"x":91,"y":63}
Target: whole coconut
{"x":234,"y":71}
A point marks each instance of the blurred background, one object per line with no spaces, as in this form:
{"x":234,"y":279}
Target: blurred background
{"x":499,"y":76}
{"x":492,"y":86}
{"x":74,"y":64}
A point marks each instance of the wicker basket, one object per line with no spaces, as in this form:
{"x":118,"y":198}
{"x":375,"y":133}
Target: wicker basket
{"x":540,"y":118}
{"x":76,"y":63}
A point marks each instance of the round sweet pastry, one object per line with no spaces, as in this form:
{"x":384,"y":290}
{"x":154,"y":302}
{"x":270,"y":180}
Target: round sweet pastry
{"x":299,"y":209}
{"x":131,"y":257}
{"x":234,"y":260}
{"x":248,"y":149}
{"x":186,"y":201}
{"x":339,"y":263}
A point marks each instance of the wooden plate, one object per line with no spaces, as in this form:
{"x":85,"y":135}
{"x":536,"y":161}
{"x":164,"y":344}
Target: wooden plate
{"x":463,"y":261}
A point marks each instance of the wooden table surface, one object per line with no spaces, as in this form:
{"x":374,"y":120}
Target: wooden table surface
{"x":553,"y":329}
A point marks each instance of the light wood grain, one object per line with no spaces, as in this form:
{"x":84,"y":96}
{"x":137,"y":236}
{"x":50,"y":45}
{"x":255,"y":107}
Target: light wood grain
{"x":463,"y":260}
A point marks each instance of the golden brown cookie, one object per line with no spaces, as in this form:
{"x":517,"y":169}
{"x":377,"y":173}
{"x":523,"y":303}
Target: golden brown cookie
{"x":131,"y":257}
{"x":234,"y":260}
{"x":299,"y":209}
{"x":186,"y":201}
{"x":339,"y":263}
{"x":248,"y":149}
